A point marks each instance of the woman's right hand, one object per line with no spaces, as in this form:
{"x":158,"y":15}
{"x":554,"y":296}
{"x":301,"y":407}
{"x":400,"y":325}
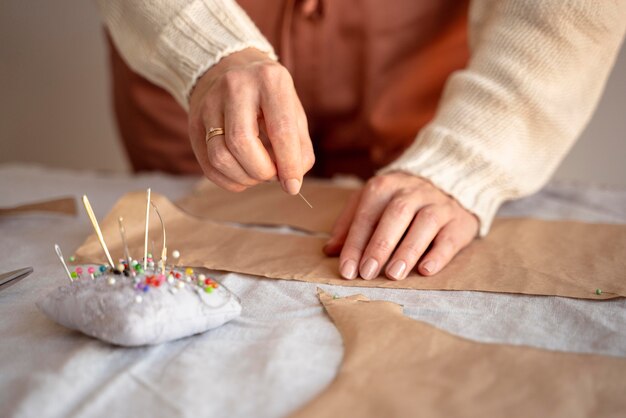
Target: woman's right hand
{"x":266,"y":134}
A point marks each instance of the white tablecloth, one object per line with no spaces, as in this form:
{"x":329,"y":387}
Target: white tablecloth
{"x":280,"y":353}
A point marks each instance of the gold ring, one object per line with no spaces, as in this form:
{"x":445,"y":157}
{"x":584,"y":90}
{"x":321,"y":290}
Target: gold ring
{"x":213,"y":132}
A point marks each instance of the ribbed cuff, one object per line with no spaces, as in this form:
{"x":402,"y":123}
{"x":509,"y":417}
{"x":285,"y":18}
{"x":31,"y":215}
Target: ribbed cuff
{"x":446,"y":161}
{"x":196,"y":39}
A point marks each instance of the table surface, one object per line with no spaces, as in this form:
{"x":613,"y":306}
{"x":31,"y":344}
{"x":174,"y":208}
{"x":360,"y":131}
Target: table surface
{"x":280,"y":353}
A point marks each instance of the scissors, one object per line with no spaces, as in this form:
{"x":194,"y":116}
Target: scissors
{"x":12,"y":277}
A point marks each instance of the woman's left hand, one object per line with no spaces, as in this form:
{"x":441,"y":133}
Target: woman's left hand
{"x":392,"y":222}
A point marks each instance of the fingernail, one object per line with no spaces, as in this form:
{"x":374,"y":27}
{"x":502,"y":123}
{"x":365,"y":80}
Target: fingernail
{"x":396,"y":269}
{"x":292,"y":186}
{"x":348,"y":269}
{"x":329,"y":245}
{"x":369,"y":269}
{"x":328,"y":248}
{"x":429,"y":266}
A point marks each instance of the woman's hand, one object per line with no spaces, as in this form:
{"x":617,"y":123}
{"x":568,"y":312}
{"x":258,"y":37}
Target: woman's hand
{"x":393,"y":221}
{"x":266,"y":135}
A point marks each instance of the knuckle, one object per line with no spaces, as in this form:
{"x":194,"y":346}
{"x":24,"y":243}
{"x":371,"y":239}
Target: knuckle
{"x":412,"y":249}
{"x":401,"y":207}
{"x":232,"y":80}
{"x":382,"y":246}
{"x":448,"y":243}
{"x":350,"y":249}
{"x":238,"y":139}
{"x":308,"y":161}
{"x":220,"y":158}
{"x":378,"y":184}
{"x":272,"y":71}
{"x":364,"y":218}
{"x":282,"y":127}
{"x":430,"y":216}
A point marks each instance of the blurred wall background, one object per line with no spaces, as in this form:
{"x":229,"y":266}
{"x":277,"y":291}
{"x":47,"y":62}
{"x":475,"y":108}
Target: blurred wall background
{"x":55,"y":108}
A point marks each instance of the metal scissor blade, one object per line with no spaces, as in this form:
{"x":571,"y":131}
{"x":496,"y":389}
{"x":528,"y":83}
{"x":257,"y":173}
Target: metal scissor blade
{"x":12,"y":277}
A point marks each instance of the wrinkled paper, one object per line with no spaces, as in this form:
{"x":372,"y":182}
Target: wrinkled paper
{"x":268,"y":204}
{"x":64,"y":206}
{"x":527,"y":256}
{"x":415,"y":369}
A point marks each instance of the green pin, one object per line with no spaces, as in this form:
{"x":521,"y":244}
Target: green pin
{"x":598,"y":292}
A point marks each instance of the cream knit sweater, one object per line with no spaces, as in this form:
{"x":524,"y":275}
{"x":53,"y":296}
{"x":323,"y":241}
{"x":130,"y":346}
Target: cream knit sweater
{"x":536,"y":73}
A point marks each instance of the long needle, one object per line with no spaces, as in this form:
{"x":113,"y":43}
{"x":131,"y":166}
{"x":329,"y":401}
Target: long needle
{"x":60,"y":255}
{"x":96,"y":227}
{"x":164,"y":247}
{"x":120,"y":221}
{"x":305,"y":201}
{"x":145,"y":241}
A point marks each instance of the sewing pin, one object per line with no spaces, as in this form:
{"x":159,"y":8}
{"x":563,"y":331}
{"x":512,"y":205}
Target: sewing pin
{"x":601,"y":292}
{"x":305,"y":201}
{"x":145,"y":241}
{"x":60,"y":255}
{"x":164,"y":247}
{"x":120,"y":222}
{"x":96,"y":227}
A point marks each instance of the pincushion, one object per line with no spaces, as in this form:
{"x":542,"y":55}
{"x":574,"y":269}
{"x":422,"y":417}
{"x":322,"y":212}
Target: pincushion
{"x":142,"y":310}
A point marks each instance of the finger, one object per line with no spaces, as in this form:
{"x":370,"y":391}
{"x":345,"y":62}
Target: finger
{"x":198,"y":144}
{"x":197,"y":132}
{"x":342,"y":225}
{"x":306,"y":145}
{"x":368,"y":212}
{"x":265,"y":140}
{"x":242,"y":136}
{"x":451,"y":239}
{"x":393,"y":224}
{"x":222,"y":181}
{"x":427,"y":223}
{"x":223,"y":161}
{"x":277,"y":104}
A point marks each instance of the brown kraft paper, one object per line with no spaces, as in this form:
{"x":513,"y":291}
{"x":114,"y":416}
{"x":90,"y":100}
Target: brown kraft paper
{"x":526,"y":256}
{"x":394,"y":366}
{"x":268,"y":204}
{"x":64,"y":206}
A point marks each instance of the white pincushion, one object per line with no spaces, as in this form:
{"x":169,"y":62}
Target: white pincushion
{"x":140,"y":310}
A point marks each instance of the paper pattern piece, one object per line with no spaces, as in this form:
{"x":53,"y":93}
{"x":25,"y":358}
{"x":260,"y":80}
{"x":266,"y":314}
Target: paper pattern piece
{"x":394,"y":366}
{"x":527,"y":256}
{"x":65,"y":206}
{"x":268,"y":204}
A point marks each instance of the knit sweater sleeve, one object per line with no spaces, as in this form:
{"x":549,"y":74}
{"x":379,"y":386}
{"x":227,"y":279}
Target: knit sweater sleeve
{"x":173,"y":42}
{"x":536,"y":72}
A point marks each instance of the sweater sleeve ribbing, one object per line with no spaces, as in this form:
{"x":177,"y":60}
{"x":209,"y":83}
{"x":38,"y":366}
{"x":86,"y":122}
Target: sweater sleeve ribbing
{"x":173,"y":42}
{"x":536,"y":72}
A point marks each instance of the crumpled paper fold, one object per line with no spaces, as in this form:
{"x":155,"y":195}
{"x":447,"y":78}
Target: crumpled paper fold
{"x":526,"y":256}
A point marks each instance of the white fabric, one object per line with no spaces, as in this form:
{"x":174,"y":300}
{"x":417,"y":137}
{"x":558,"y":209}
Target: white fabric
{"x":120,"y":314}
{"x":282,"y":350}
